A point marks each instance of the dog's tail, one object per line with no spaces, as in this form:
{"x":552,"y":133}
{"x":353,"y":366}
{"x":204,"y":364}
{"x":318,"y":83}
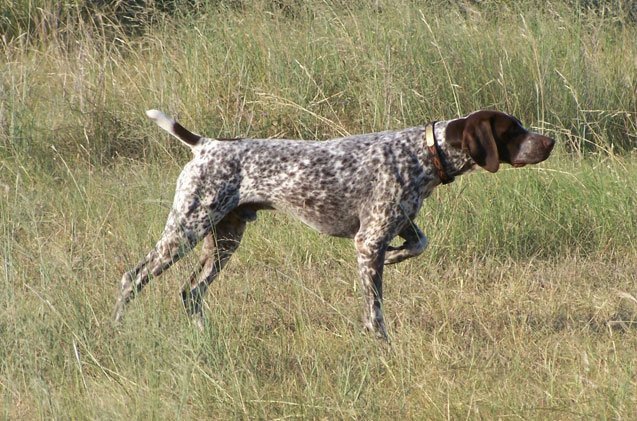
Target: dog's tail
{"x":174,"y":128}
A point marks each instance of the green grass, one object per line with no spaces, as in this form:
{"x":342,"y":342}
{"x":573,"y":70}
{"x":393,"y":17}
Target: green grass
{"x":530,"y":313}
{"x":322,"y":72}
{"x":524,"y":305}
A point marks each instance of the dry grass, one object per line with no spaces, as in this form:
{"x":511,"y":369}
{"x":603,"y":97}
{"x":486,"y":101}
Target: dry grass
{"x":524,"y":306}
{"x":479,"y":330}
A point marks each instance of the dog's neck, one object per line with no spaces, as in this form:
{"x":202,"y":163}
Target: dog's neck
{"x":449,"y":139}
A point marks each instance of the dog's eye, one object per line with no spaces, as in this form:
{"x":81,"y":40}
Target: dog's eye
{"x":514,"y":129}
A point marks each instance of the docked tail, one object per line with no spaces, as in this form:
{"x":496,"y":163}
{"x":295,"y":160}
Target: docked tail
{"x":174,"y":128}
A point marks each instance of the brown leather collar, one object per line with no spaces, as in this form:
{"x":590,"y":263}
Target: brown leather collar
{"x":436,"y":154}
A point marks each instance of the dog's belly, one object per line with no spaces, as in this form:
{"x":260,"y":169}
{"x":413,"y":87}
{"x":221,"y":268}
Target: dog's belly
{"x":324,"y":203}
{"x":329,"y":224}
{"x":323,"y":216}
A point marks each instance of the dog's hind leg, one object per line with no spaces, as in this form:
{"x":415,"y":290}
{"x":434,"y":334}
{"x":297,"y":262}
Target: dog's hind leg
{"x":180,"y":235}
{"x":218,"y":247}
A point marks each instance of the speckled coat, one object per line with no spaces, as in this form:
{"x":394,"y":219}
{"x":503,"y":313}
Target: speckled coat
{"x":366,"y":187}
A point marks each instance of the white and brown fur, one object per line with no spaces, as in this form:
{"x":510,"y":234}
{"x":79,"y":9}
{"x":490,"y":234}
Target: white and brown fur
{"x":366,"y":187}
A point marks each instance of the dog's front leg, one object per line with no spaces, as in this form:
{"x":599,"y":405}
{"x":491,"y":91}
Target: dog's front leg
{"x":415,"y":243}
{"x":371,"y":258}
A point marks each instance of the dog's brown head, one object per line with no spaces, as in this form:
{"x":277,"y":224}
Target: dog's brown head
{"x":492,"y":137}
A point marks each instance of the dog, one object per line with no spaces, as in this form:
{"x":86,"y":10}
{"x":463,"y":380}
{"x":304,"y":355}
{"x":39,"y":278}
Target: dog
{"x":365,"y":187}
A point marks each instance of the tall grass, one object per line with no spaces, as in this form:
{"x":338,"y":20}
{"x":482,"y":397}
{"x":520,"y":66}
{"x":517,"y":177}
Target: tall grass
{"x":320,"y":72}
{"x":524,"y":305}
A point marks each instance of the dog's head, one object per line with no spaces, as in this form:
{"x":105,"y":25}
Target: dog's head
{"x":492,"y":137}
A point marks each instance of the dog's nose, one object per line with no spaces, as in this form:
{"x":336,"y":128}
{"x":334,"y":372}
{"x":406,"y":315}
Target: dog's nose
{"x":548,"y":143}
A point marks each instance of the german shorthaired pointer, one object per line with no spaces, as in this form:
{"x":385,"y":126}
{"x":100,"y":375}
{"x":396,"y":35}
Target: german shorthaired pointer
{"x":366,"y":187}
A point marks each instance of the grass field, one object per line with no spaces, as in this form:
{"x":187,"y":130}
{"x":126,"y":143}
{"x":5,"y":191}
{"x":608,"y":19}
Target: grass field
{"x":524,"y":305}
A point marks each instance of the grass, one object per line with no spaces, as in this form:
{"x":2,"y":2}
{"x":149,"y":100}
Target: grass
{"x":480,"y":328}
{"x":523,"y":306}
{"x":324,"y":72}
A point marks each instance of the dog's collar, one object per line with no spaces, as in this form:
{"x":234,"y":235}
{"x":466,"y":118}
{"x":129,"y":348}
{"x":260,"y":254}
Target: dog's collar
{"x":436,"y":154}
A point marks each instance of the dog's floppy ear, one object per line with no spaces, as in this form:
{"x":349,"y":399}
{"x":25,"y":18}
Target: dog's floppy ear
{"x":478,"y":139}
